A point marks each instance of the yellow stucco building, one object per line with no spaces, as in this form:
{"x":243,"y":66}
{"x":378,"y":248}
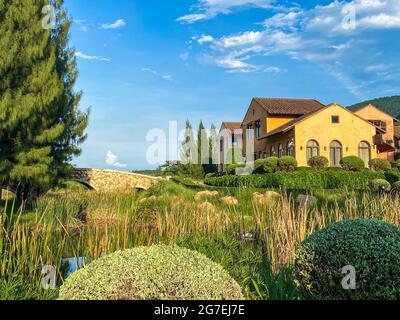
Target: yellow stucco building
{"x":305,"y":128}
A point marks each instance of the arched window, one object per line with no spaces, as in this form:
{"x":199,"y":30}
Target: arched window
{"x":290,"y":148}
{"x":280,"y":151}
{"x":312,"y":149}
{"x":364,"y":152}
{"x":272,"y":151}
{"x":336,"y":151}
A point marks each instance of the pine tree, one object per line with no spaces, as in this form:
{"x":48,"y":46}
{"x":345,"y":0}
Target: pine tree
{"x":189,"y":147}
{"x":65,"y":108}
{"x":40,"y":126}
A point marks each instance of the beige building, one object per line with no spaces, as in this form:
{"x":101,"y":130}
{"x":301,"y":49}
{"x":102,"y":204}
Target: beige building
{"x":229,"y":142}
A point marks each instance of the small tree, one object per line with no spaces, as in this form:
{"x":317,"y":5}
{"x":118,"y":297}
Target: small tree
{"x":318,"y":162}
{"x":352,"y":163}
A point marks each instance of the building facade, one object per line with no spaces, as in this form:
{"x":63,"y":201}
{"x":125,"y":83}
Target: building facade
{"x":304,"y":128}
{"x":230,"y":144}
{"x":385,"y":139}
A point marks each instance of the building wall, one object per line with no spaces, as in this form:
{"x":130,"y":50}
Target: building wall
{"x":254,"y":113}
{"x":349,"y":132}
{"x":276,"y":140}
{"x":369,"y":112}
{"x":273,"y":123}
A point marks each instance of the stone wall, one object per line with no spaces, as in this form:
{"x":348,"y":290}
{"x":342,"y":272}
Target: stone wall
{"x":112,"y":180}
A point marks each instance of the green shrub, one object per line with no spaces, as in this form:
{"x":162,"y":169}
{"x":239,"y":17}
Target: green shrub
{"x":379,"y":185}
{"x":287,"y":163}
{"x":268,"y":165}
{"x":396,"y":187}
{"x":211,"y":175}
{"x":397,"y":164}
{"x":371,"y":247}
{"x":379,"y":164}
{"x":231,"y":168}
{"x":352,"y":163}
{"x":158,"y":272}
{"x":392,"y":175}
{"x":318,"y":162}
{"x":302,"y":180}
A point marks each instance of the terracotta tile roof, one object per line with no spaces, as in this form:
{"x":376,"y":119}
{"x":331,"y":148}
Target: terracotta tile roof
{"x":289,"y":106}
{"x":232,"y":125}
{"x":290,"y":125}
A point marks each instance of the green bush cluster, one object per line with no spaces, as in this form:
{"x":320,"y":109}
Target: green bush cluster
{"x":379,"y":164}
{"x":352,"y":163}
{"x":268,"y":165}
{"x":371,"y":247}
{"x":380,"y":185}
{"x":396,"y":187}
{"x":231,"y":168}
{"x":332,"y":178}
{"x":392,"y":175}
{"x":318,"y":162}
{"x":287,"y":164}
{"x":151,"y":273}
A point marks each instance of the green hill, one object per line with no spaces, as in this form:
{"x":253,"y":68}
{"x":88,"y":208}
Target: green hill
{"x":390,"y":105}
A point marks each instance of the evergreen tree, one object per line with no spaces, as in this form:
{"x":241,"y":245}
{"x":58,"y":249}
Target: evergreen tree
{"x":40,"y":126}
{"x":214,"y":149}
{"x":202,"y":144}
{"x":189,"y":147}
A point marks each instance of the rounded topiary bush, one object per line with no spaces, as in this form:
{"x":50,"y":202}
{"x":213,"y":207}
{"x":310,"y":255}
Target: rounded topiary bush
{"x":287,"y":163}
{"x":268,"y":165}
{"x":158,"y":272}
{"x":352,"y":163}
{"x":379,"y":185}
{"x":371,"y":247}
{"x":318,"y":162}
{"x":379,"y":164}
{"x":231,"y":168}
{"x":396,"y":187}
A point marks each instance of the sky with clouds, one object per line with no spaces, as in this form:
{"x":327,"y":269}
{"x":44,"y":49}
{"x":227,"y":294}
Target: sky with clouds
{"x":144,"y":63}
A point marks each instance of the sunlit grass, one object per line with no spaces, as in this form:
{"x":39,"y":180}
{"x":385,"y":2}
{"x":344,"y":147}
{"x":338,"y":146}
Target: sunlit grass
{"x":80,"y":223}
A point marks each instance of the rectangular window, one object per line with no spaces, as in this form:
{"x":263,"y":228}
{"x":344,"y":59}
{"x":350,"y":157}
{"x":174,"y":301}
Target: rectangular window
{"x":335,"y":119}
{"x":250,"y":133}
{"x":258,"y":129}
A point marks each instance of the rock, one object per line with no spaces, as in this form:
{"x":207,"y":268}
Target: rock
{"x":306,"y":200}
{"x":229,"y":200}
{"x":266,"y":198}
{"x":201,"y":194}
{"x":206,"y":206}
{"x":272,"y":195}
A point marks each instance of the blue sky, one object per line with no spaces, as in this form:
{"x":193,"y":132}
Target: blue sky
{"x":144,"y":63}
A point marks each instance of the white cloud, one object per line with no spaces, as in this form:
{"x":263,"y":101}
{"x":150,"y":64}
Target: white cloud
{"x":204,"y":39}
{"x":87,"y":57}
{"x":332,"y":36}
{"x":245,"y":38}
{"x":166,"y":77}
{"x":112,"y":160}
{"x":376,"y":68}
{"x":117,"y":24}
{"x":184,"y":56}
{"x":209,"y":9}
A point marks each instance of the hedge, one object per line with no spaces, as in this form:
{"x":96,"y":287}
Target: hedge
{"x":371,"y":247}
{"x":352,"y":163}
{"x":302,"y":180}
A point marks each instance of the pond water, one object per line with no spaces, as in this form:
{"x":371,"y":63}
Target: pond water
{"x":70,"y":265}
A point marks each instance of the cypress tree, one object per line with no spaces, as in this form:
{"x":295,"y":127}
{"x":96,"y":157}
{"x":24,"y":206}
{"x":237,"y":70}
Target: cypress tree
{"x":40,"y":126}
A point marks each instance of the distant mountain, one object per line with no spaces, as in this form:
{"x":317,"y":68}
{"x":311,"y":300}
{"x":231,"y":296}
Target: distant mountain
{"x":390,"y":105}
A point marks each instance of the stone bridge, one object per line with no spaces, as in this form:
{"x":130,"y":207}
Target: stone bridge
{"x":113,"y":180}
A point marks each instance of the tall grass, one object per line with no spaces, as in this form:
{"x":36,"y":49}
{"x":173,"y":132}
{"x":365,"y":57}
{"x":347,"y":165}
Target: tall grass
{"x":88,"y":224}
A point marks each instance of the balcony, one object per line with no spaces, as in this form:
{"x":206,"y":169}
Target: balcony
{"x":382,"y":144}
